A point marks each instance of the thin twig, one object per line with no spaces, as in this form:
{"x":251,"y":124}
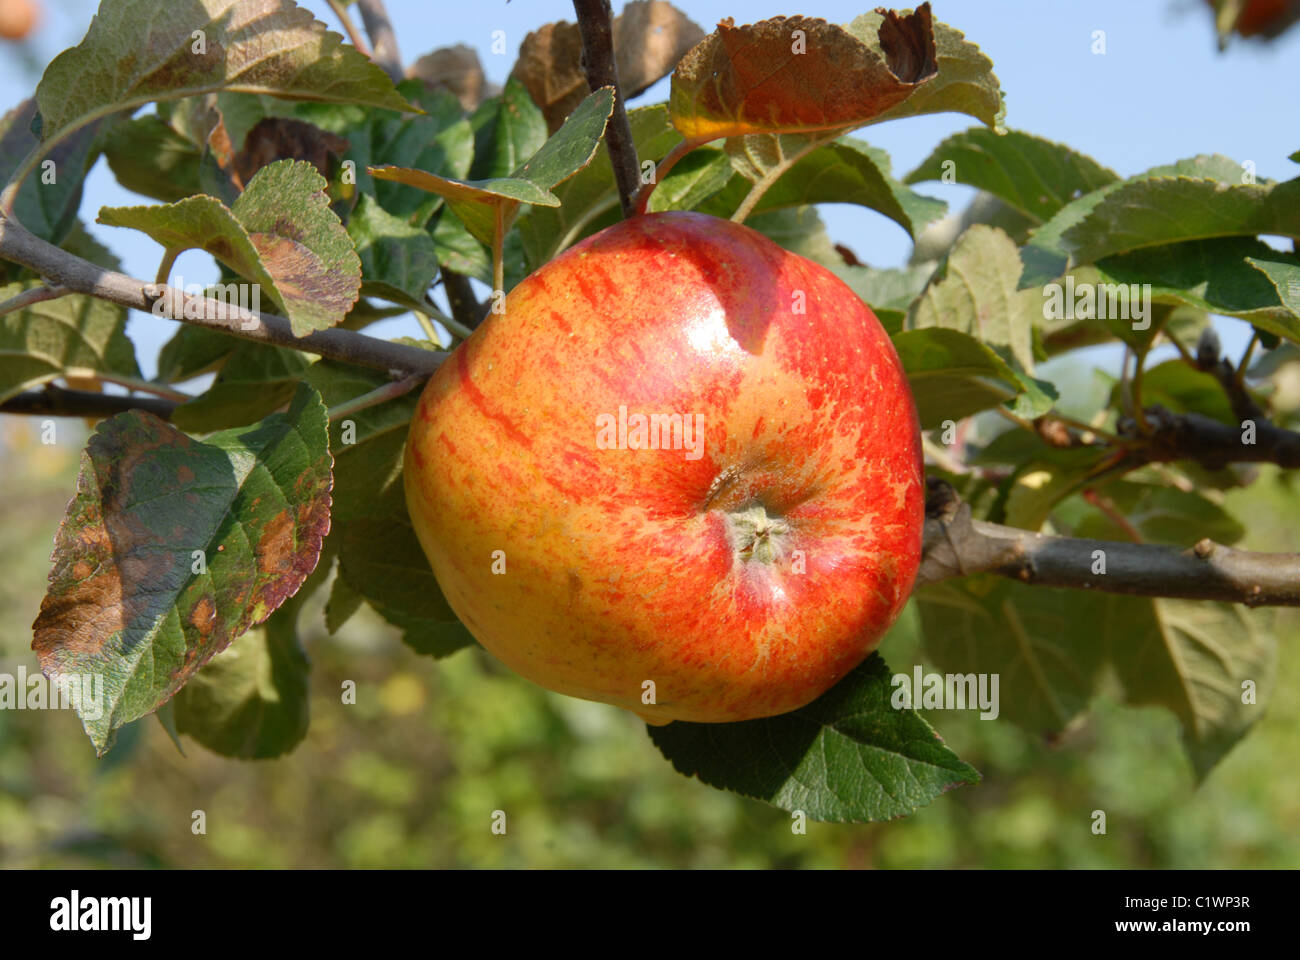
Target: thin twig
{"x":382,"y":38}
{"x":55,"y":401}
{"x":1239,"y":379}
{"x":595,"y":22}
{"x":80,"y":276}
{"x":340,"y":8}
{"x":25,"y":299}
{"x":131,"y":383}
{"x":383,"y":394}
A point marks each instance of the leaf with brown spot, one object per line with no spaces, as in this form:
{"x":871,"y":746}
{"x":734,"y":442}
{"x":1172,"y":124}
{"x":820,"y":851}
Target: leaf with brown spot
{"x":280,"y":234}
{"x":137,"y":51}
{"x":649,"y":37}
{"x":125,"y":603}
{"x":798,"y":75}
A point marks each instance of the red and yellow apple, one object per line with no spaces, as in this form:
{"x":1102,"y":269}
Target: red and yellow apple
{"x":680,"y":473}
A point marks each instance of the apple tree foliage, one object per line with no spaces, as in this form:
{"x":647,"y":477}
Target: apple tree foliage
{"x":196,"y":532}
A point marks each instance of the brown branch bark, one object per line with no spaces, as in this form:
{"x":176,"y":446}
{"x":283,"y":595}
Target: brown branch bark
{"x":596,"y":25}
{"x":55,"y":401}
{"x":956,"y":545}
{"x":383,"y":40}
{"x":1191,"y":436}
{"x":80,"y":276}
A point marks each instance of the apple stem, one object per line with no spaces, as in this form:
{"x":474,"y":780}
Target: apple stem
{"x":499,"y":253}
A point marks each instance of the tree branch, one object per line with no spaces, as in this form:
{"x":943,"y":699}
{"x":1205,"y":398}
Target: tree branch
{"x":76,"y":275}
{"x":465,"y":308}
{"x":55,"y":401}
{"x":340,"y":8}
{"x":1191,"y":436}
{"x":955,"y":545}
{"x":384,"y":42}
{"x":596,"y":26}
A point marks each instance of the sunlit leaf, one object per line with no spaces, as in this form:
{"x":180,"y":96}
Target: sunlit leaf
{"x":172,"y":548}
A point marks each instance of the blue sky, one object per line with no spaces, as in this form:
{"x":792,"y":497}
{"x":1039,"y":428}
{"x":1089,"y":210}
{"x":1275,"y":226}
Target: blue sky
{"x":1161,"y":91}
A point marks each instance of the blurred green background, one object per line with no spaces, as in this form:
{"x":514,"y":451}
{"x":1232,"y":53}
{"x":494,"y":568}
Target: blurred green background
{"x":410,"y":775}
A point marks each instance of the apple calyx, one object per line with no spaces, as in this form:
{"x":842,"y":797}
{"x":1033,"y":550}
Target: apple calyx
{"x":755,"y":535}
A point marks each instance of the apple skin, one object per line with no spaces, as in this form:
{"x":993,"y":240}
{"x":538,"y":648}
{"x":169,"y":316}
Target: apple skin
{"x":632,"y":565}
{"x":17,"y":17}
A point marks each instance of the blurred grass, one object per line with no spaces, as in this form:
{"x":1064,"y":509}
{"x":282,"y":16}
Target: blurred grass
{"x":411,"y":774}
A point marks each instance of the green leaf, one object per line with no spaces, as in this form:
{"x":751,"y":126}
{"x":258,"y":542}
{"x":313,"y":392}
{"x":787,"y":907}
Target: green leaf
{"x":1047,"y":255}
{"x":952,"y":374}
{"x":964,"y":84}
{"x":850,"y":755}
{"x":398,"y":261}
{"x":280,"y":234}
{"x":1160,"y":515}
{"x":48,"y":201}
{"x":842,"y":171}
{"x":889,"y":293}
{"x":1193,"y":659}
{"x":342,"y":604}
{"x":592,"y":191}
{"x":194,"y":350}
{"x":476,"y":202}
{"x":1161,"y":210}
{"x":1221,"y":275}
{"x":1029,"y":495}
{"x":47,"y":339}
{"x":1283,"y":272}
{"x":137,"y":51}
{"x":508,"y":129}
{"x":255,"y":380}
{"x":975,"y":291}
{"x":1181,"y":388}
{"x":1045,"y":646}
{"x":367,"y":445}
{"x":696,"y":177}
{"x":128,"y":599}
{"x":439,"y":140}
{"x":150,"y":157}
{"x":382,"y":560}
{"x":251,"y":700}
{"x":1033,"y":175}
{"x":1039,"y":396}
{"x":457,"y":250}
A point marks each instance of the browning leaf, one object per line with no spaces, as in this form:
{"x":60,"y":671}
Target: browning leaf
{"x":649,"y":37}
{"x":455,"y":69}
{"x":172,"y":548}
{"x":798,"y":74}
{"x":284,"y":138}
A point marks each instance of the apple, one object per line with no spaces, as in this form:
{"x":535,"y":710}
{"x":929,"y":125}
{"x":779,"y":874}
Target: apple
{"x":17,"y":17}
{"x":680,"y":473}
